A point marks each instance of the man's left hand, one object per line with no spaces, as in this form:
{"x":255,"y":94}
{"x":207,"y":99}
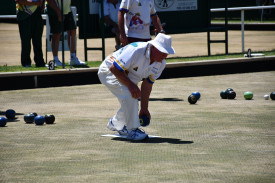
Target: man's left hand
{"x":145,"y":112}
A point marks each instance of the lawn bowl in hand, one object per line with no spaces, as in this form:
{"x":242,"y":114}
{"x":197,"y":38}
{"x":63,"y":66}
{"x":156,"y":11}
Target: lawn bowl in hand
{"x":144,"y":120}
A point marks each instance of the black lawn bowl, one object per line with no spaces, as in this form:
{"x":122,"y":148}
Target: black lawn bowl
{"x":144,"y":120}
{"x":49,"y":118}
{"x":29,"y":118}
{"x":192,"y":99}
{"x":34,"y":113}
{"x":229,"y":89}
{"x":10,"y":114}
{"x":272,"y":95}
{"x":231,"y":95}
{"x":223,"y":94}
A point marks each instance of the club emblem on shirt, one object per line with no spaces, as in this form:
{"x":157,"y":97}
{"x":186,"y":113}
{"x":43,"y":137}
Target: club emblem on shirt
{"x":135,"y":20}
{"x":135,"y":69}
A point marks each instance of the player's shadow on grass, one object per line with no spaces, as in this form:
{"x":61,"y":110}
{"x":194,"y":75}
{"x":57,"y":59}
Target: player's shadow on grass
{"x":166,"y":99}
{"x":12,"y":120}
{"x":157,"y":141}
{"x":4,"y":113}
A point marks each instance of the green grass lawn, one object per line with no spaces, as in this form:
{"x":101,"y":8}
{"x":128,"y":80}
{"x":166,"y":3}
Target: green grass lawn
{"x":4,"y":68}
{"x":213,"y":141}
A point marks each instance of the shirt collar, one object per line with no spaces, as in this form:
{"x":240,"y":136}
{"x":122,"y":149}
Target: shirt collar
{"x":148,"y":51}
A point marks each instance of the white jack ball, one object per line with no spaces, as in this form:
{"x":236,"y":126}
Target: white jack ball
{"x":266,"y":97}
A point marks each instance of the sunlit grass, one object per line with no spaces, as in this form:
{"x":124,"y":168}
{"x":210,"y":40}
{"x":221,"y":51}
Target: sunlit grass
{"x":90,"y":64}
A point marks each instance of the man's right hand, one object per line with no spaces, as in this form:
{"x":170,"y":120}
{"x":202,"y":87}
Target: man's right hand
{"x":123,"y":78}
{"x":123,"y":40}
{"x":135,"y":91}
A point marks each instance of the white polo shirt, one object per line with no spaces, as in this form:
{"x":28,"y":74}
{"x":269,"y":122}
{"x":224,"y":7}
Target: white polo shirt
{"x":110,"y":10}
{"x":138,"y":17}
{"x":135,"y":60}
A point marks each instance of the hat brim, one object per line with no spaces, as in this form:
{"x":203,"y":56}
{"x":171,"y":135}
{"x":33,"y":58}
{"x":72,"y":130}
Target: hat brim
{"x":169,"y":50}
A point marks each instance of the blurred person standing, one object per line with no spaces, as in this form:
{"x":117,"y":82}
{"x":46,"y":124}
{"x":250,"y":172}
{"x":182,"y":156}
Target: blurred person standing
{"x":54,"y":12}
{"x":30,"y":25}
{"x":134,"y":19}
{"x":111,"y":8}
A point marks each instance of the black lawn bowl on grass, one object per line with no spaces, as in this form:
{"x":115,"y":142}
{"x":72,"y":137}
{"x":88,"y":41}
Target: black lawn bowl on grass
{"x":34,"y":113}
{"x":192,"y":99}
{"x":231,"y":95}
{"x":228,"y":90}
{"x":49,"y":118}
{"x":223,"y":94}
{"x":29,"y":118}
{"x":272,"y":95}
{"x":10,"y":114}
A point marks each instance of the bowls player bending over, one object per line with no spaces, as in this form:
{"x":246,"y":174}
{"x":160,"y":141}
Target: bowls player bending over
{"x":123,"y":70}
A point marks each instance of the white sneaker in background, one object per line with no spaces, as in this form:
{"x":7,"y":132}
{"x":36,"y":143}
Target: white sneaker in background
{"x":57,"y":63}
{"x":75,"y":61}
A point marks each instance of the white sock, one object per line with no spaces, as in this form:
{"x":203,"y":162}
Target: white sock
{"x":73,"y":55}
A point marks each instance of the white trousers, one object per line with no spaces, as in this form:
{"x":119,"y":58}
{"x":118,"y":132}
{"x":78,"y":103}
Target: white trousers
{"x":128,"y":113}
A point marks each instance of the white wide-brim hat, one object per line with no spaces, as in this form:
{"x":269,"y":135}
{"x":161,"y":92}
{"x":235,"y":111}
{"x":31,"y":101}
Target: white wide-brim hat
{"x":163,"y":43}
